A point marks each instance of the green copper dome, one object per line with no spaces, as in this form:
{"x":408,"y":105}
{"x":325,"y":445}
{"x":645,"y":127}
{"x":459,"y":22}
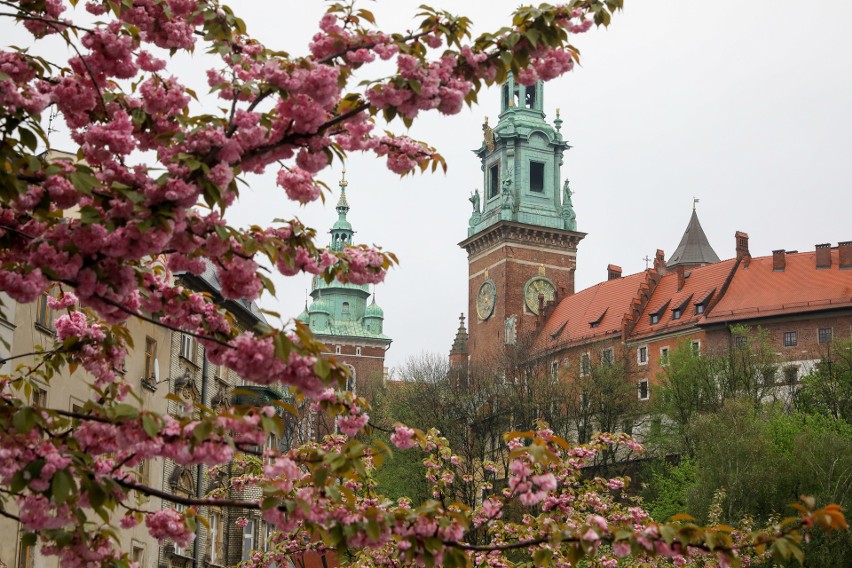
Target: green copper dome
{"x":320,"y":305}
{"x":304,"y":317}
{"x":373,"y":310}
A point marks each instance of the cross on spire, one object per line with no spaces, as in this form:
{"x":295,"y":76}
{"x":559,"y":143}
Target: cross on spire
{"x":647,"y":259}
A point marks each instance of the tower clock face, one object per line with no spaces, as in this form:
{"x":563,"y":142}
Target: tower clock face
{"x":538,"y":286}
{"x":485,"y":299}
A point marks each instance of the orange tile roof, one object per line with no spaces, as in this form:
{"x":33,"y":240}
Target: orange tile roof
{"x":605,"y":303}
{"x":758,"y":291}
{"x":699,"y":283}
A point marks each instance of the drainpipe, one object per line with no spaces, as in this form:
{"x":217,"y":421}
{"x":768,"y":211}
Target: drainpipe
{"x":199,"y":493}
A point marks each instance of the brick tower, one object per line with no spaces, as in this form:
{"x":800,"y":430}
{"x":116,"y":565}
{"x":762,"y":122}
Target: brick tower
{"x":522,"y":235}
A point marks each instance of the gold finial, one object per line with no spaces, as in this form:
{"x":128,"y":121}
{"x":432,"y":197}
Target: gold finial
{"x":343,"y":182}
{"x":557,"y":113}
{"x":486,"y":120}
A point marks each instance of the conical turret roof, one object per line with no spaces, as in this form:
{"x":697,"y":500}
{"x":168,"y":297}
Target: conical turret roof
{"x":460,"y":342}
{"x":694,"y":248}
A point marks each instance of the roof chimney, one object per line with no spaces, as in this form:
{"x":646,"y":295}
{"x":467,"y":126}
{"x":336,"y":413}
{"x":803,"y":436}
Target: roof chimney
{"x":845,"y":252}
{"x":660,"y":262}
{"x":613,"y":272}
{"x":823,"y":256}
{"x":779,"y":260}
{"x":742,"y":245}
{"x":681,"y":277}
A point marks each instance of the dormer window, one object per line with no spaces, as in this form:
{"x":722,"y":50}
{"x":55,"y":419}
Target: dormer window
{"x":676,"y":313}
{"x":699,"y":308}
{"x":655,"y":318}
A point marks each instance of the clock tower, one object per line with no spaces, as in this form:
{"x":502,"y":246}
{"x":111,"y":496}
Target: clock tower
{"x":522,"y":235}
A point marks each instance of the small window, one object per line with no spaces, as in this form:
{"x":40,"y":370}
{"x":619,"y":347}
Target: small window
{"x":696,"y":347}
{"x":607,"y":356}
{"x":585,"y":364}
{"x":358,"y":351}
{"x":25,"y":554}
{"x":594,"y":324}
{"x":217,"y":541}
{"x":664,"y":356}
{"x":137,"y":555}
{"x":337,"y":349}
{"x":529,"y":93}
{"x":655,"y":318}
{"x":642,"y":355}
{"x":643,"y":389}
{"x":741,"y":341}
{"x":699,"y":308}
{"x":187,"y":347}
{"x":142,"y":471}
{"x":537,"y":177}
{"x":39,"y":397}
{"x":676,"y":313}
{"x":43,"y":312}
{"x":493,"y":181}
{"x":345,"y":307}
{"x":248,"y":540}
{"x":180,"y":508}
{"x":150,"y":356}
{"x":554,"y":371}
{"x":791,"y":338}
{"x":824,"y":335}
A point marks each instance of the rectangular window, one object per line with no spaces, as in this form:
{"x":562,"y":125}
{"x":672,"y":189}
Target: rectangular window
{"x":824,"y":335}
{"x":741,"y":341}
{"x":791,"y":338}
{"x":216,"y":541}
{"x":150,"y":356}
{"x":43,"y":312}
{"x":358,"y":351}
{"x":699,"y":308}
{"x":179,"y":550}
{"x":696,"y":347}
{"x":791,"y":374}
{"x":142,"y":472}
{"x":607,"y":356}
{"x":187,"y":347}
{"x":643,"y":389}
{"x":248,"y":539}
{"x":655,"y":318}
{"x":642,"y":355}
{"x":493,"y":181}
{"x":537,"y":177}
{"x":137,"y":555}
{"x":39,"y":397}
{"x":554,"y":371}
{"x":585,"y":364}
{"x":664,"y":356}
{"x":676,"y":313}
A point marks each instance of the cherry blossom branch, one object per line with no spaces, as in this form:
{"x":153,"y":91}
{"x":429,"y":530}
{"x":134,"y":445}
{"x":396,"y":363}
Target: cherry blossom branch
{"x":188,"y":501}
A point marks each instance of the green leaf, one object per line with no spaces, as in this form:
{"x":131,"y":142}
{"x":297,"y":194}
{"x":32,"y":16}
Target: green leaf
{"x":24,"y":420}
{"x":62,"y":486}
{"x":322,"y":368}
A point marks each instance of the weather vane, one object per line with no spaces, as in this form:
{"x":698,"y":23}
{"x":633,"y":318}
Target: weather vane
{"x":695,"y":201}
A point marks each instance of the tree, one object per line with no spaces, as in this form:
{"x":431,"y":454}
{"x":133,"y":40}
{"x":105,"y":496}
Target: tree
{"x":828,"y":388}
{"x":147,"y":196}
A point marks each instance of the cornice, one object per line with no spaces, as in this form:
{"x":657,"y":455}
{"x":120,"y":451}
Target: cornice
{"x":513,"y":232}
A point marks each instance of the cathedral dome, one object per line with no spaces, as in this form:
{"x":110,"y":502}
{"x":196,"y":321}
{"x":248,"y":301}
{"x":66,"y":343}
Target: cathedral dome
{"x":320,"y":306}
{"x":304,"y":317}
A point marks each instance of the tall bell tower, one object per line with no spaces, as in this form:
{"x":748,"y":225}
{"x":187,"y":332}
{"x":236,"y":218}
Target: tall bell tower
{"x":522,"y":234}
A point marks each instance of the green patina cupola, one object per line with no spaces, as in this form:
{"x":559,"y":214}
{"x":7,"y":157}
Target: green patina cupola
{"x":341,"y":231}
{"x":340,"y":309}
{"x":521,"y":163}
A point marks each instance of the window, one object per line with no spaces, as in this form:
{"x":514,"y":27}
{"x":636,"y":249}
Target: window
{"x":676,"y":313}
{"x":248,"y":539}
{"x":741,"y":341}
{"x":824,"y":335}
{"x":696,"y":347}
{"x":493,"y":181}
{"x":791,"y":374}
{"x":216,"y":541}
{"x":351,"y":381}
{"x":664,"y":355}
{"x":585,"y":364}
{"x":39,"y":397}
{"x":699,"y":308}
{"x":594,"y":324}
{"x":187,"y":347}
{"x":179,"y":550}
{"x":345,"y":307}
{"x":655,"y":318}
{"x":537,"y":177}
{"x":43,"y":312}
{"x":142,"y":472}
{"x":25,"y":554}
{"x":554,"y":371}
{"x":791,"y":338}
{"x":529,"y":93}
{"x":358,"y":351}
{"x":337,"y":349}
{"x":607,"y":356}
{"x":642,"y":355}
{"x":150,"y":356}
{"x":643,"y":389}
{"x":137,"y":553}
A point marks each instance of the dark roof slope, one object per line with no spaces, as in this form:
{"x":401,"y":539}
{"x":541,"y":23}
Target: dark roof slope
{"x":694,"y":247}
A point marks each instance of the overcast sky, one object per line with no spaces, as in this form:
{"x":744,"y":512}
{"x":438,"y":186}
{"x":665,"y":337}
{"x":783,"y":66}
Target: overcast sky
{"x":744,"y":105}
